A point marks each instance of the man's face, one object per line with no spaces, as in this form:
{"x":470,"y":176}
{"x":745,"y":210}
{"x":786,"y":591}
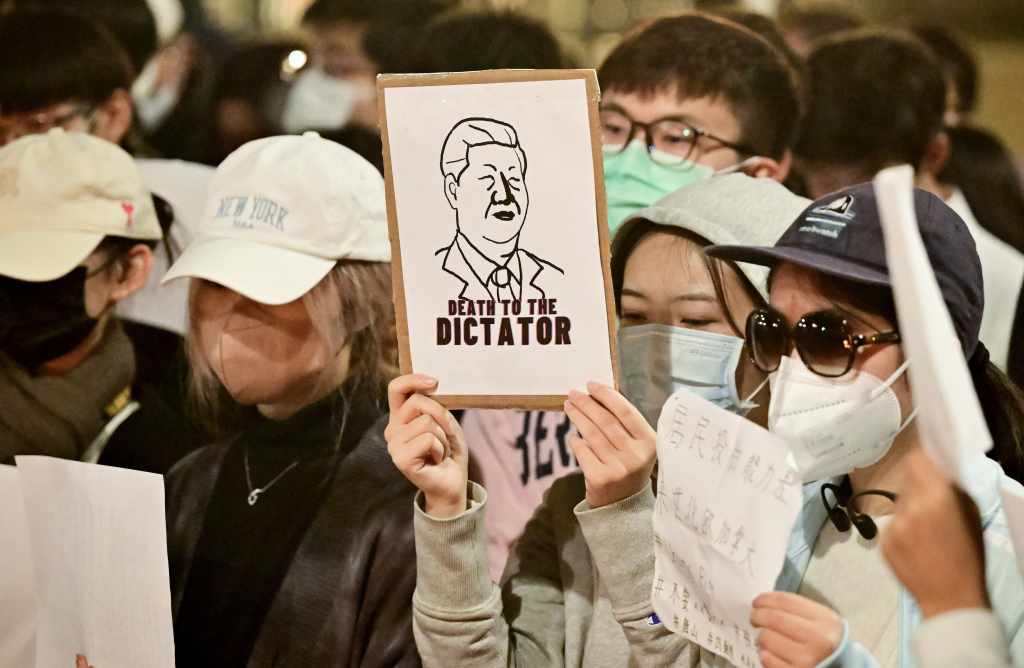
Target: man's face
{"x":712,"y":115}
{"x":491,"y":195}
{"x":71,"y":116}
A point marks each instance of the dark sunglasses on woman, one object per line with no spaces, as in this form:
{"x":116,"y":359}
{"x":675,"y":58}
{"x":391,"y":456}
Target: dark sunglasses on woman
{"x":824,"y":340}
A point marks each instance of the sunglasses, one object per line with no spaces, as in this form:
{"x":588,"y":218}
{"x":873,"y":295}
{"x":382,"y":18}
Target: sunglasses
{"x":824,"y":340}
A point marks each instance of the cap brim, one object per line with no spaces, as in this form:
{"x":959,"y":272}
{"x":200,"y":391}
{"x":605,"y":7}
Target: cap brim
{"x":266,"y":274}
{"x":824,"y":263}
{"x":44,"y":255}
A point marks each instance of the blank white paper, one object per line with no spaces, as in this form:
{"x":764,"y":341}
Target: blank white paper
{"x":17,"y":584}
{"x":100,"y":554}
{"x":948,"y":412}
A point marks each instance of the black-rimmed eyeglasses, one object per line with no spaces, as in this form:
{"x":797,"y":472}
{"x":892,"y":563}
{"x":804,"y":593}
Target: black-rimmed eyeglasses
{"x":669,"y":141}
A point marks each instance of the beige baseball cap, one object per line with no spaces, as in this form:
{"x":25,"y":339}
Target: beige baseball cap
{"x":280,"y":213}
{"x":61,"y":194}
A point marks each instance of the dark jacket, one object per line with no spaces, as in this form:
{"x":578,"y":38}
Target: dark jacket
{"x":346,"y":599}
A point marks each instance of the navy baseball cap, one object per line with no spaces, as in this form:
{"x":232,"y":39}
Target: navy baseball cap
{"x":840,"y":235}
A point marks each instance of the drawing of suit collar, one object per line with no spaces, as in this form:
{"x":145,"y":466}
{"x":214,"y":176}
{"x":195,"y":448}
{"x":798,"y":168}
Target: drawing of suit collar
{"x":489,"y":273}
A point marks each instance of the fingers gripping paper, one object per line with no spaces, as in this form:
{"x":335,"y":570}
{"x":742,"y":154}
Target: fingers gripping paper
{"x":948,"y":412}
{"x":728,"y":497}
{"x":99,"y":550}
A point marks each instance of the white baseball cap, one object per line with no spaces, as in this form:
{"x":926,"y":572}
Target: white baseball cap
{"x":61,"y":194}
{"x":280,"y":212}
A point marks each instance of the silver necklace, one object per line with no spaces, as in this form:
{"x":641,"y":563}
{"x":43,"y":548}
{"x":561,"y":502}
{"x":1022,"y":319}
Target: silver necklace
{"x":254,"y":494}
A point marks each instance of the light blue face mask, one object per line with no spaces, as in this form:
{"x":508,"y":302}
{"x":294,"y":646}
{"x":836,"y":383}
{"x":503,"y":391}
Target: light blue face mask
{"x":659,"y":360}
{"x":632,"y":180}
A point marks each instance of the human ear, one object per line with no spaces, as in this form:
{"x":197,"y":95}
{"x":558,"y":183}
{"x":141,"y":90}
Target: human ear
{"x":936,"y":154}
{"x":766,"y":168}
{"x":131,"y":272}
{"x":451,"y":190}
{"x":114,"y":117}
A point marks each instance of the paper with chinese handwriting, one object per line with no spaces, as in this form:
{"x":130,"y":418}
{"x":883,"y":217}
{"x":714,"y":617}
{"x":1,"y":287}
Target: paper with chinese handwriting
{"x":17,"y":585}
{"x":728,"y":497}
{"x":100,"y":555}
{"x":948,"y":412}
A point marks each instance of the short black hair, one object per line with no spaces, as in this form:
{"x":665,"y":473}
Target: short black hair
{"x":877,"y":97}
{"x":697,"y":55}
{"x":817,"y":20}
{"x":392,"y":25}
{"x":486,"y":40}
{"x":52,"y":57}
{"x":130,"y":21}
{"x":766,"y":27}
{"x":956,"y":60}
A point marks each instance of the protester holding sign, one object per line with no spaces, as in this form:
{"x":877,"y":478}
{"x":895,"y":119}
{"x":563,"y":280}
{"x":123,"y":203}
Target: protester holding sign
{"x":553,"y":607}
{"x":290,"y":540}
{"x":841,"y":397}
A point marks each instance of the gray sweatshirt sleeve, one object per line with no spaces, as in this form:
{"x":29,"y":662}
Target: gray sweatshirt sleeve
{"x":971,"y":637}
{"x":461,"y":618}
{"x":621,"y":541}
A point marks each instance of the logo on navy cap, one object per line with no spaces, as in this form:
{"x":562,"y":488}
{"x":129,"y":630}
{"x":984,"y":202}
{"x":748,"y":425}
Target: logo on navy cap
{"x":829,"y":220}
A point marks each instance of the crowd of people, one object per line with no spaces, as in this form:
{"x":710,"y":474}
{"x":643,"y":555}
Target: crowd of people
{"x":324,"y":510}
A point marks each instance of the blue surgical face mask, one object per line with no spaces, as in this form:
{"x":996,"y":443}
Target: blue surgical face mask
{"x":632,"y":180}
{"x":659,"y":360}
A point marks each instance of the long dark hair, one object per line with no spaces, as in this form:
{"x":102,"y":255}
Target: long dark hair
{"x":985,"y":172}
{"x":626,"y":242}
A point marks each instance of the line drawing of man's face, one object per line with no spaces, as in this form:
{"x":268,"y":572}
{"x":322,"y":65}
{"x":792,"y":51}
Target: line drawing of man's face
{"x":490,"y":196}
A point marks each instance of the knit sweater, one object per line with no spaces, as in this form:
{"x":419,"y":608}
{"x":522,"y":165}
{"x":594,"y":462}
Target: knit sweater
{"x":576,"y":590}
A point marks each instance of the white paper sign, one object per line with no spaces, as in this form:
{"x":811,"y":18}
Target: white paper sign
{"x":17,"y":583}
{"x":728,"y":498}
{"x":100,"y":554}
{"x":493,"y":193}
{"x":948,"y":412}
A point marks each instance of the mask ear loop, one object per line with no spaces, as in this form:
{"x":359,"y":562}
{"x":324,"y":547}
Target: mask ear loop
{"x":881,"y":389}
{"x":757,"y":391}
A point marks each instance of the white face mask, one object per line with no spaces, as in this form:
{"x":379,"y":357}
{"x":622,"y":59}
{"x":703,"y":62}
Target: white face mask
{"x":834,"y":425}
{"x":658,"y":360}
{"x":318,"y":101}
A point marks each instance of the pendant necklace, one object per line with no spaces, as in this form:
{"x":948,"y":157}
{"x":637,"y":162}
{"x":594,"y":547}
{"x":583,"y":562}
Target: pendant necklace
{"x":254,"y":494}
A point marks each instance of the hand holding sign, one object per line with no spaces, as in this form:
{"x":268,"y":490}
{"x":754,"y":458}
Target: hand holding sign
{"x":936,"y":533}
{"x":616,"y":447}
{"x":796,"y":632}
{"x":426,"y":444}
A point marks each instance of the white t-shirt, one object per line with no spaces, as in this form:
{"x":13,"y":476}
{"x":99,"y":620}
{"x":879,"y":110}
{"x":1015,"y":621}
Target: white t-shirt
{"x":519,"y":454}
{"x":848,"y":574}
{"x":1002,"y":268}
{"x":183,"y":185}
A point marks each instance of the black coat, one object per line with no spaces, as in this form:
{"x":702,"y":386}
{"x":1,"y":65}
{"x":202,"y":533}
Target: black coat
{"x":346,"y":599}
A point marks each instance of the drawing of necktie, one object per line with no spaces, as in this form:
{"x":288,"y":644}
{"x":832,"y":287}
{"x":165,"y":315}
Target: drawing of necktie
{"x":501,"y":278}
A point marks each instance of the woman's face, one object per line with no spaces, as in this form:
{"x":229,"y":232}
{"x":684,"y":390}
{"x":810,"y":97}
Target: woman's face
{"x":666,"y":282}
{"x":796,"y":291}
{"x":263,"y":355}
